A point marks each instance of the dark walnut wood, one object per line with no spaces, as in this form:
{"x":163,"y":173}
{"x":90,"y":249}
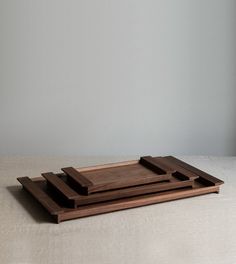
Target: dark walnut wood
{"x":111,"y":187}
{"x":115,"y":177}
{"x":203,"y":176}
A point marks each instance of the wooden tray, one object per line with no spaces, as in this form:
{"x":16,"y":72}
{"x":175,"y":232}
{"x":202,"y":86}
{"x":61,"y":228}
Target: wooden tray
{"x":106,"y":188}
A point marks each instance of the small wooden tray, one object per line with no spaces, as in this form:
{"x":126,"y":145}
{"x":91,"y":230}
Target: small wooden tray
{"x":106,"y":188}
{"x":122,"y":175}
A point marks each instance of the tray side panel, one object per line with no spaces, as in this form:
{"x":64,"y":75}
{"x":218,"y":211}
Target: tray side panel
{"x":132,"y":203}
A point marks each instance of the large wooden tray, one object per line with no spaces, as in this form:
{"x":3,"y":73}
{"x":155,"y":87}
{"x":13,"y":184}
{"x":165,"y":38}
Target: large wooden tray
{"x":105,"y":188}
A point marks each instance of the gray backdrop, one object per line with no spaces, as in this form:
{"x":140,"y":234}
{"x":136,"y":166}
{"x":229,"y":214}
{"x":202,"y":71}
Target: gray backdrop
{"x":104,"y":77}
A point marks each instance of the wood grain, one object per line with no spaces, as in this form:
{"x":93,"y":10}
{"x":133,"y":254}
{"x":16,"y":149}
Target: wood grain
{"x":107,"y":188}
{"x":115,"y":177}
{"x":45,"y":200}
{"x":78,"y":180}
{"x":156,"y":165}
{"x":132,"y":191}
{"x":122,"y":204}
{"x":207,"y":178}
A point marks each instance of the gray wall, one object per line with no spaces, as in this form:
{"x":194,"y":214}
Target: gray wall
{"x":104,"y":77}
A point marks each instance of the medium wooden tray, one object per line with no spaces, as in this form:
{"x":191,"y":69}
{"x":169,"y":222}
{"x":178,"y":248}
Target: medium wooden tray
{"x":111,"y":187}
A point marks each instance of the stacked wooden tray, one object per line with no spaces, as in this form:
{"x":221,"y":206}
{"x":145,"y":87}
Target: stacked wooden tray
{"x":105,"y":188}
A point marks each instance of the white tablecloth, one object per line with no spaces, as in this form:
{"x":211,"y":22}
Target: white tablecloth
{"x":194,"y":230}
